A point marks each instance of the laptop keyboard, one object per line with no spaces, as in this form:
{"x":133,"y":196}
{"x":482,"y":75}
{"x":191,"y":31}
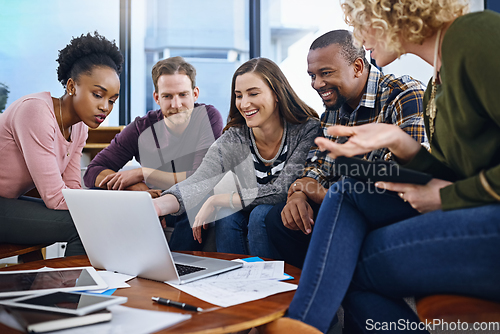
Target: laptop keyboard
{"x":183,"y":269}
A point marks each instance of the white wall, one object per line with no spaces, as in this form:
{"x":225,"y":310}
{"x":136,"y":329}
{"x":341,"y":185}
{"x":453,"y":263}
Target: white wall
{"x":411,"y":65}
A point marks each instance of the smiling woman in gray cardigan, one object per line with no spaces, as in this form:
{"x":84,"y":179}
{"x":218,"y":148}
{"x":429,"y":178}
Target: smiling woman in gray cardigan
{"x":264,"y":146}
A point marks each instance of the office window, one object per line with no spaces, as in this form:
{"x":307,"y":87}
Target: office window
{"x":32,"y":32}
{"x":211,"y":35}
{"x":288,"y":27}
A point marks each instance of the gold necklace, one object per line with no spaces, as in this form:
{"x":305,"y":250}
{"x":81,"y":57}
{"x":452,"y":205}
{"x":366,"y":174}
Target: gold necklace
{"x":60,"y":114}
{"x":62,"y":124}
{"x":431,"y":109}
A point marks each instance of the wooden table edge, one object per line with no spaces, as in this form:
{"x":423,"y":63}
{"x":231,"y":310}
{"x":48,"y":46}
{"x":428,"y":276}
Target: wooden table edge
{"x":241,"y":326}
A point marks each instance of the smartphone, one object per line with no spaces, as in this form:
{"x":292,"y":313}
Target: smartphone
{"x":65,"y":302}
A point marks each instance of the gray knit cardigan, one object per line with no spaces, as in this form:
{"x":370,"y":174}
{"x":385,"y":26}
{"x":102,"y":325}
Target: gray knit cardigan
{"x":231,"y":152}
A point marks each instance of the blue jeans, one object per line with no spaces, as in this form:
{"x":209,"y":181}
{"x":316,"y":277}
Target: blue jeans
{"x":182,"y":237}
{"x":369,"y":250}
{"x":231,"y":232}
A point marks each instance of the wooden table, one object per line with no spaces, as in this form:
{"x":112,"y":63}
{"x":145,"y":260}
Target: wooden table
{"x":213,"y":319}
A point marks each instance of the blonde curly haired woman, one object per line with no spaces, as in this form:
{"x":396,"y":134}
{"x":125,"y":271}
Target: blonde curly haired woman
{"x":368,"y":251}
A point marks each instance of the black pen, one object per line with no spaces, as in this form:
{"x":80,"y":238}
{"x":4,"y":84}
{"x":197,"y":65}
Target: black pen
{"x":183,"y":306}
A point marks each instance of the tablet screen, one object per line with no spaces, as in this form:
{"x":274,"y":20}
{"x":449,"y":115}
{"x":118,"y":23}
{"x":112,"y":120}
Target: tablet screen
{"x":41,"y":280}
{"x":378,"y":171}
{"x":64,"y":300}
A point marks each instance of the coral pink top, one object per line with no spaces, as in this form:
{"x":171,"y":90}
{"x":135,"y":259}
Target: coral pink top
{"x":34,"y":152}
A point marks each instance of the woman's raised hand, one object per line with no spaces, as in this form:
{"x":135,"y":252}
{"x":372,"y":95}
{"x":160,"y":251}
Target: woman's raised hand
{"x":204,"y":217}
{"x":365,"y":138}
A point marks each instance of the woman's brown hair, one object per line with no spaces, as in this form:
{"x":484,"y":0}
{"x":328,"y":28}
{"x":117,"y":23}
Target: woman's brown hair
{"x":290,"y":106}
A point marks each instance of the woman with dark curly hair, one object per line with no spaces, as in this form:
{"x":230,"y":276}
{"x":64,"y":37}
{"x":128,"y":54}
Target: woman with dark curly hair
{"x":41,"y":142}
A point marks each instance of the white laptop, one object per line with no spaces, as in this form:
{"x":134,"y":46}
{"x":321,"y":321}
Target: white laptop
{"x":121,"y":232}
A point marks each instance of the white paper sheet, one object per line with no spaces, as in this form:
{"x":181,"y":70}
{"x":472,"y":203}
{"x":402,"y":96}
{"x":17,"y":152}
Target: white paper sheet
{"x":113,"y":280}
{"x":228,"y":293}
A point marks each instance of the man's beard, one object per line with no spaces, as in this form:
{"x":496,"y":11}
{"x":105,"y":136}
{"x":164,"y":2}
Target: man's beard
{"x":179,"y":118}
{"x":341,"y":99}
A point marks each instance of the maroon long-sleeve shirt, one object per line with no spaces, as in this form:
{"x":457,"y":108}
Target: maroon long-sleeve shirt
{"x":149,"y":141}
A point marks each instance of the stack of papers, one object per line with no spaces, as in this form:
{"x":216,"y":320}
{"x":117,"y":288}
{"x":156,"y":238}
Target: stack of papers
{"x":255,"y":280}
{"x":113,"y":280}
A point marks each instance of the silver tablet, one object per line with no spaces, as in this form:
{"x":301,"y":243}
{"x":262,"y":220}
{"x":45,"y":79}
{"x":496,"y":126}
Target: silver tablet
{"x":23,"y":282}
{"x":65,"y":302}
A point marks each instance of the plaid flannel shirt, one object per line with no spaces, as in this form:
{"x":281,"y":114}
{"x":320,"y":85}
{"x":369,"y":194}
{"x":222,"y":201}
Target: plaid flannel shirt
{"x":387,"y":100}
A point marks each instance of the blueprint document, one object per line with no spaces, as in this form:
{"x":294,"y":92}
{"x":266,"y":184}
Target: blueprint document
{"x":227,"y":293}
{"x":252,"y":271}
{"x":255,"y":280}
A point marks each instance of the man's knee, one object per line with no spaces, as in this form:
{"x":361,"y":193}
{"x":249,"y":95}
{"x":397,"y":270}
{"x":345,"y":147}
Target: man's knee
{"x":257,"y":217}
{"x":273,"y":220}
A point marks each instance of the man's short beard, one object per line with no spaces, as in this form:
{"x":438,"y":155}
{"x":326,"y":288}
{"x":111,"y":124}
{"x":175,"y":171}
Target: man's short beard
{"x":179,"y":118}
{"x":340,"y":102}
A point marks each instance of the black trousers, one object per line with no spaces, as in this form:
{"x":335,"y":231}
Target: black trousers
{"x":27,"y":220}
{"x":291,"y":245}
